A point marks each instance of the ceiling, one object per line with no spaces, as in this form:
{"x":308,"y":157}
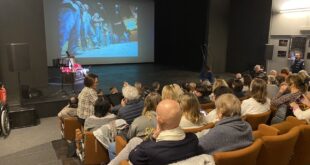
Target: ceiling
{"x":278,"y":5}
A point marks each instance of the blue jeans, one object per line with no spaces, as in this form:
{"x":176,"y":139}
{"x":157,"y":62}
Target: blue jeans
{"x":111,"y":150}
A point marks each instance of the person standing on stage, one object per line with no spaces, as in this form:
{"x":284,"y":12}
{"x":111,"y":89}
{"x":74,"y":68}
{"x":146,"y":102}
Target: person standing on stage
{"x":299,"y":64}
{"x":87,"y":98}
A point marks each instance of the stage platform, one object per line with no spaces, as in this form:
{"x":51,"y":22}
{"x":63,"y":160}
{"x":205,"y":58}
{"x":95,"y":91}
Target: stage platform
{"x":54,"y":98}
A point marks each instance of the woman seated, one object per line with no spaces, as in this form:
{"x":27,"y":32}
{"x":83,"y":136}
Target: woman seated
{"x":101,"y":117}
{"x":202,"y":93}
{"x":258,"y":102}
{"x":302,"y":112}
{"x":191,"y":117}
{"x":172,"y":91}
{"x":230,"y":132}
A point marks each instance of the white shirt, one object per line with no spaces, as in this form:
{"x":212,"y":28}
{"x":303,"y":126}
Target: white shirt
{"x":251,"y":106}
{"x":212,"y":117}
{"x":302,"y":115}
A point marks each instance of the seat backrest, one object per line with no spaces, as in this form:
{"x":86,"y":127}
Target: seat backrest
{"x":265,"y":130}
{"x":94,"y":151}
{"x":237,"y":157}
{"x":302,"y":147}
{"x":288,"y":124}
{"x":199,"y":129}
{"x":278,"y":150}
{"x":120,"y":143}
{"x":255,"y":119}
{"x":70,"y":125}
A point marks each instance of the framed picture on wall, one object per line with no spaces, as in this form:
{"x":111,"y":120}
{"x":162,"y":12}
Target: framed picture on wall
{"x":281,"y":53}
{"x":308,"y":55}
{"x":283,"y":42}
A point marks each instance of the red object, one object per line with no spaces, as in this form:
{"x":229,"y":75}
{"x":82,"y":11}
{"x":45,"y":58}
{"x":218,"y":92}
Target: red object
{"x":3,"y":96}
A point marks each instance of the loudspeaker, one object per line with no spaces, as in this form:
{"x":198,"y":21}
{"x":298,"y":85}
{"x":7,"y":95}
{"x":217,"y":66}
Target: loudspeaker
{"x":268,"y":51}
{"x":18,"y":56}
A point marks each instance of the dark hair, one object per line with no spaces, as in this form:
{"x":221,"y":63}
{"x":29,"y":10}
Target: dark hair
{"x":203,"y":90}
{"x":155,"y":85}
{"x":221,"y":90}
{"x":101,"y":107}
{"x":230,"y":82}
{"x":237,"y":85}
{"x":247,"y":79}
{"x":90,"y":79}
{"x":259,"y":90}
{"x":285,"y":71}
{"x":73,"y":102}
{"x":280,"y":79}
{"x":1,"y":83}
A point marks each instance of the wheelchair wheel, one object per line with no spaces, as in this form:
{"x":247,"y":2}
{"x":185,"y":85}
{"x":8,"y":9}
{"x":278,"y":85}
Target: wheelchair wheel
{"x":5,"y":124}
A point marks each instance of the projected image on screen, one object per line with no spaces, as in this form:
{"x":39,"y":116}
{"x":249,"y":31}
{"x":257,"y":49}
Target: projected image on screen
{"x":98,"y":28}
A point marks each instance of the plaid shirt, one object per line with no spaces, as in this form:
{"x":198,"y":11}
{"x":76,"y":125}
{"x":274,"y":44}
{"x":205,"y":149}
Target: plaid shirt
{"x":87,"y":99}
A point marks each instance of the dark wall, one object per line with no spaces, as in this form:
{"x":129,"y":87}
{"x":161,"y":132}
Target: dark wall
{"x":248,"y":34}
{"x":23,"y":21}
{"x":180,"y":30}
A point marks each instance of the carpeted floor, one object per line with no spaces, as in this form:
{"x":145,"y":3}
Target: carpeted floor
{"x":61,"y":150}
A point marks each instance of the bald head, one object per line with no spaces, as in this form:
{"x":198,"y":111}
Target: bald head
{"x":168,"y":114}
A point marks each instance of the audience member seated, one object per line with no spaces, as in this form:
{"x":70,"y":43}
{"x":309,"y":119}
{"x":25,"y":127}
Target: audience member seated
{"x":131,"y":106}
{"x":296,"y":88}
{"x":280,"y":79}
{"x":101,"y":94}
{"x":141,"y":128}
{"x":285,"y":72}
{"x":230,"y":132}
{"x":211,"y":116}
{"x":302,"y":114}
{"x":172,"y":91}
{"x":237,"y":87}
{"x":238,"y":76}
{"x":191,"y":87}
{"x":258,"y":72}
{"x":156,"y":87}
{"x":169,"y":143}
{"x":304,"y":76}
{"x":87,"y":98}
{"x":206,"y":74}
{"x":258,"y":102}
{"x":247,"y":79}
{"x":272,"y":88}
{"x":101,"y":116}
{"x":192,"y":117}
{"x":69,"y":110}
{"x":115,"y":97}
{"x":218,"y":83}
{"x":202,"y":93}
{"x":273,"y":73}
{"x":139,"y":87}
{"x":2,"y":94}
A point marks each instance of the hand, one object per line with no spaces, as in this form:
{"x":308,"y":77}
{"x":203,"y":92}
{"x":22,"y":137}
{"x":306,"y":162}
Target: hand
{"x":283,"y":87}
{"x":123,"y":102}
{"x":294,"y":105}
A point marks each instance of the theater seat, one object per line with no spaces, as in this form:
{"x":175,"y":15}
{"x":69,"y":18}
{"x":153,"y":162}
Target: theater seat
{"x":90,"y":150}
{"x":256,"y":119}
{"x":265,"y":130}
{"x":120,"y":143}
{"x":70,"y":124}
{"x":302,"y":148}
{"x":278,"y":150}
{"x":289,"y":123}
{"x":246,"y":155}
{"x":199,"y":129}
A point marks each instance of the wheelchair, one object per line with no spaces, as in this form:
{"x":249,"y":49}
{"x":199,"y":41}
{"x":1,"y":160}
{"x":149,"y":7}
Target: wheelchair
{"x":5,"y":127}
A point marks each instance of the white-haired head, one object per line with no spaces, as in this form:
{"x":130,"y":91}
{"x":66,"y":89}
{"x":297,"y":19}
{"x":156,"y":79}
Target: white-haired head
{"x":130,"y":92}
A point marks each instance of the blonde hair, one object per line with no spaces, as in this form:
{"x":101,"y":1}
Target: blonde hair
{"x":303,"y":75}
{"x":191,"y":108}
{"x":218,"y":83}
{"x":228,"y":105}
{"x":150,"y":102}
{"x":172,"y":91}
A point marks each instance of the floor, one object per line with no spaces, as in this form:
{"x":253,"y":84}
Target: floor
{"x":25,"y":138}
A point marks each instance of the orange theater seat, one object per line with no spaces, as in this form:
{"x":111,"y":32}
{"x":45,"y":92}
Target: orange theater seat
{"x":256,"y":119}
{"x":302,"y":147}
{"x":70,"y":124}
